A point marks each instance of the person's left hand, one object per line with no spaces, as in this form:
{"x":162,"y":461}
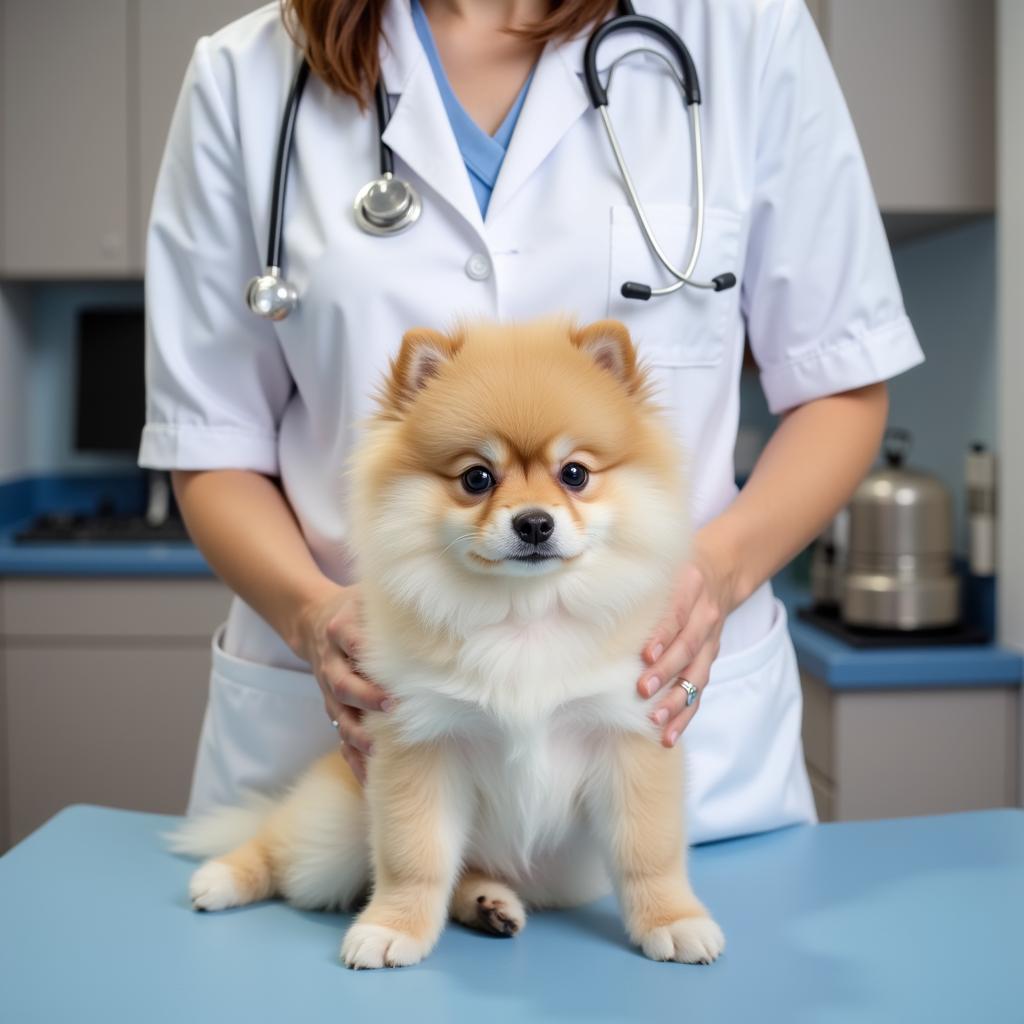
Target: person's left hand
{"x":685,"y":643}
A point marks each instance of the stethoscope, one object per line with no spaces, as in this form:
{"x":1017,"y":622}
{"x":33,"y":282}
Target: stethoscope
{"x":388,"y":205}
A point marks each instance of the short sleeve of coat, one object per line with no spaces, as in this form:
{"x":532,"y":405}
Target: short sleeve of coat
{"x":216,"y":379}
{"x":823,"y":308}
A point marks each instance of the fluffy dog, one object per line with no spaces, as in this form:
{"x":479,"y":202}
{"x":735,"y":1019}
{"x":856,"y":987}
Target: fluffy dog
{"x":518,"y":512}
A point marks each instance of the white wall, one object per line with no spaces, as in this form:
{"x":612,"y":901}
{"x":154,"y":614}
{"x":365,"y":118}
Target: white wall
{"x":14,"y":319}
{"x":1010,"y":176}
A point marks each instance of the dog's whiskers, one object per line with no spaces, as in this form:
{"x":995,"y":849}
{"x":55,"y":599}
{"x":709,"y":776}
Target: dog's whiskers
{"x":465,"y":536}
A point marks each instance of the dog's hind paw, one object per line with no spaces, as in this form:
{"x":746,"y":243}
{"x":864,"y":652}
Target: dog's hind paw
{"x":491,"y":906}
{"x":690,"y":940}
{"x":499,"y":916}
{"x":373,"y":945}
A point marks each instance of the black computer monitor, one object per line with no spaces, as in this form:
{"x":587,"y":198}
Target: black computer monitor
{"x":110,"y":407}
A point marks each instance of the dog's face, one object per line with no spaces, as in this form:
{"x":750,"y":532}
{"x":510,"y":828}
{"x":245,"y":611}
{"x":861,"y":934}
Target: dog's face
{"x":520,"y":453}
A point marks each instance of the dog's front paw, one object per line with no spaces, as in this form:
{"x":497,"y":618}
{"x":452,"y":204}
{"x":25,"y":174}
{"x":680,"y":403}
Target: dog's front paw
{"x":213,"y":887}
{"x":373,"y":945}
{"x":690,"y":940}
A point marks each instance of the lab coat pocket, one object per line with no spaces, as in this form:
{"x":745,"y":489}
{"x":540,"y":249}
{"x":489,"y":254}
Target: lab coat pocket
{"x":263,"y":726}
{"x":689,"y":326}
{"x":744,"y":752}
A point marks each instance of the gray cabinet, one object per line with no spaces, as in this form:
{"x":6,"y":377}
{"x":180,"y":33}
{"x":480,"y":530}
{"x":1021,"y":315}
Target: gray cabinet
{"x":102,"y":689}
{"x":167,"y":33}
{"x":918,"y":76}
{"x":894,"y":752}
{"x":88,"y":88}
{"x":67,"y":191}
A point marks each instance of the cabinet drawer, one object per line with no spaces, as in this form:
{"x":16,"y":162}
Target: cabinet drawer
{"x":123,"y":608}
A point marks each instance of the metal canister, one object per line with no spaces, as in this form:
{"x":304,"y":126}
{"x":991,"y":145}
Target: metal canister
{"x":899,"y":572}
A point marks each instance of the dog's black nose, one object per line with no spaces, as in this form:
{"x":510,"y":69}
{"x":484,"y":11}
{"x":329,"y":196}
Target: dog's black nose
{"x":533,"y":526}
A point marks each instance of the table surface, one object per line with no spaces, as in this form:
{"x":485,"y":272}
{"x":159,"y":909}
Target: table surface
{"x":906,"y":920}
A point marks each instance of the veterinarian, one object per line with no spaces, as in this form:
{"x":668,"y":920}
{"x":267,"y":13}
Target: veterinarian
{"x":509,"y":203}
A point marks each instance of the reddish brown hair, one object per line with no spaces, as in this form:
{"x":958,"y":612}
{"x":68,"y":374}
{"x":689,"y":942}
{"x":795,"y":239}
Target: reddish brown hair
{"x":340,"y":38}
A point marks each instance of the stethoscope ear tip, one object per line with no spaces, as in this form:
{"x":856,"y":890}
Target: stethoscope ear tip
{"x":724,"y":282}
{"x":633,"y":290}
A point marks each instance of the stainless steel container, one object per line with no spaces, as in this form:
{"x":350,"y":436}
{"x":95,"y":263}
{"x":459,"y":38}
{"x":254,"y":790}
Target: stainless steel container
{"x":899,"y":560}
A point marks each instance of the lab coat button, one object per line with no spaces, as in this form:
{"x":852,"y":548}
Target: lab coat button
{"x":478,"y":267}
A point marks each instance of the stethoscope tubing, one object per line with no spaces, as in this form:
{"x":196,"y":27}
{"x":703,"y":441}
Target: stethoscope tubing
{"x":688,"y":83}
{"x":284,"y":149}
{"x":381,"y":102}
{"x":649,"y":26}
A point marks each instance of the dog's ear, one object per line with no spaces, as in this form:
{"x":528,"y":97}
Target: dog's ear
{"x":423,"y":353}
{"x":608,"y":343}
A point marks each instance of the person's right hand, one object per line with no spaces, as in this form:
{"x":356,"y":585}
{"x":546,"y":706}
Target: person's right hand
{"x":330,"y":637}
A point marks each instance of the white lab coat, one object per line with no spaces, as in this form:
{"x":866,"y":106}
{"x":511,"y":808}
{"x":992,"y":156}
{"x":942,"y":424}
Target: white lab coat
{"x":789,"y":210}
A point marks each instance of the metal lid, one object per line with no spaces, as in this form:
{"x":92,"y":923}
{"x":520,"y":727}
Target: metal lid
{"x":898,"y":511}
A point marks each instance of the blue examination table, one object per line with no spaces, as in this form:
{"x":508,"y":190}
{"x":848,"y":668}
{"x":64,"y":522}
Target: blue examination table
{"x":909,"y":920}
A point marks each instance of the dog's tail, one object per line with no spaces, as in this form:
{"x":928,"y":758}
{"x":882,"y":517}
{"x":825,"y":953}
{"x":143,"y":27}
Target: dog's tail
{"x":216,"y":832}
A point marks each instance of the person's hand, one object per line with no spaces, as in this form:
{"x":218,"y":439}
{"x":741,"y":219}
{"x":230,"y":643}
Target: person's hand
{"x":330,"y":637}
{"x":685,"y":643}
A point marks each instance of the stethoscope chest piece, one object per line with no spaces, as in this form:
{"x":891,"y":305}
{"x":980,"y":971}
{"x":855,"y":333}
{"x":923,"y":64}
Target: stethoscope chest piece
{"x":386,"y":206}
{"x":271,"y":296}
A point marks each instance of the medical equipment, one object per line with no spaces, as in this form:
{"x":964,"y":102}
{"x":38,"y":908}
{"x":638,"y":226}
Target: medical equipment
{"x":383,"y":206}
{"x":388,"y":205}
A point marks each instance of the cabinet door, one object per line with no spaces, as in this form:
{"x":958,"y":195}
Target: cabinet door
{"x":102,"y":688}
{"x":116,"y":726}
{"x":66,"y":184}
{"x":918,"y":77}
{"x":167,"y":33}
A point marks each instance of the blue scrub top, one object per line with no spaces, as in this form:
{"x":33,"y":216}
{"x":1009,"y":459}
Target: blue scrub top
{"x":482,"y":153}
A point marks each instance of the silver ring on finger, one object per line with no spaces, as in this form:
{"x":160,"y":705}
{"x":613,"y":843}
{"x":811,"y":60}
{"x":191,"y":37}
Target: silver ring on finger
{"x":336,"y":723}
{"x":691,"y":691}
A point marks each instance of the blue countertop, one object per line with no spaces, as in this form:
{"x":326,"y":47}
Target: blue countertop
{"x":179,"y":558}
{"x":22,"y":499}
{"x":907,"y":920}
{"x":842,"y":667}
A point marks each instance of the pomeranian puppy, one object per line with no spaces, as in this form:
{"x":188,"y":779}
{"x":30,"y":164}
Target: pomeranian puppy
{"x":518,"y":512}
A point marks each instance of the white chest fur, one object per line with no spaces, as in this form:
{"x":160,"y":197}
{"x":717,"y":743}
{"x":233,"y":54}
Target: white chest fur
{"x":529,"y":733}
{"x":524,"y":702}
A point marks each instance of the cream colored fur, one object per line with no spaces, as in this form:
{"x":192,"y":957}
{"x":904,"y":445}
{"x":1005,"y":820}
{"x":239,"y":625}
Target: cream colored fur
{"x":519,"y":765}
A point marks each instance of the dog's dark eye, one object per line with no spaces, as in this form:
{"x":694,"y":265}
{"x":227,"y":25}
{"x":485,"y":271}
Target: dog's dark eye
{"x":477,"y":479}
{"x":574,"y":475}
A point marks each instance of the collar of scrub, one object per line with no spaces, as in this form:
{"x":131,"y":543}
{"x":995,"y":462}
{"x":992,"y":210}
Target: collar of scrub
{"x":482,"y":153}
